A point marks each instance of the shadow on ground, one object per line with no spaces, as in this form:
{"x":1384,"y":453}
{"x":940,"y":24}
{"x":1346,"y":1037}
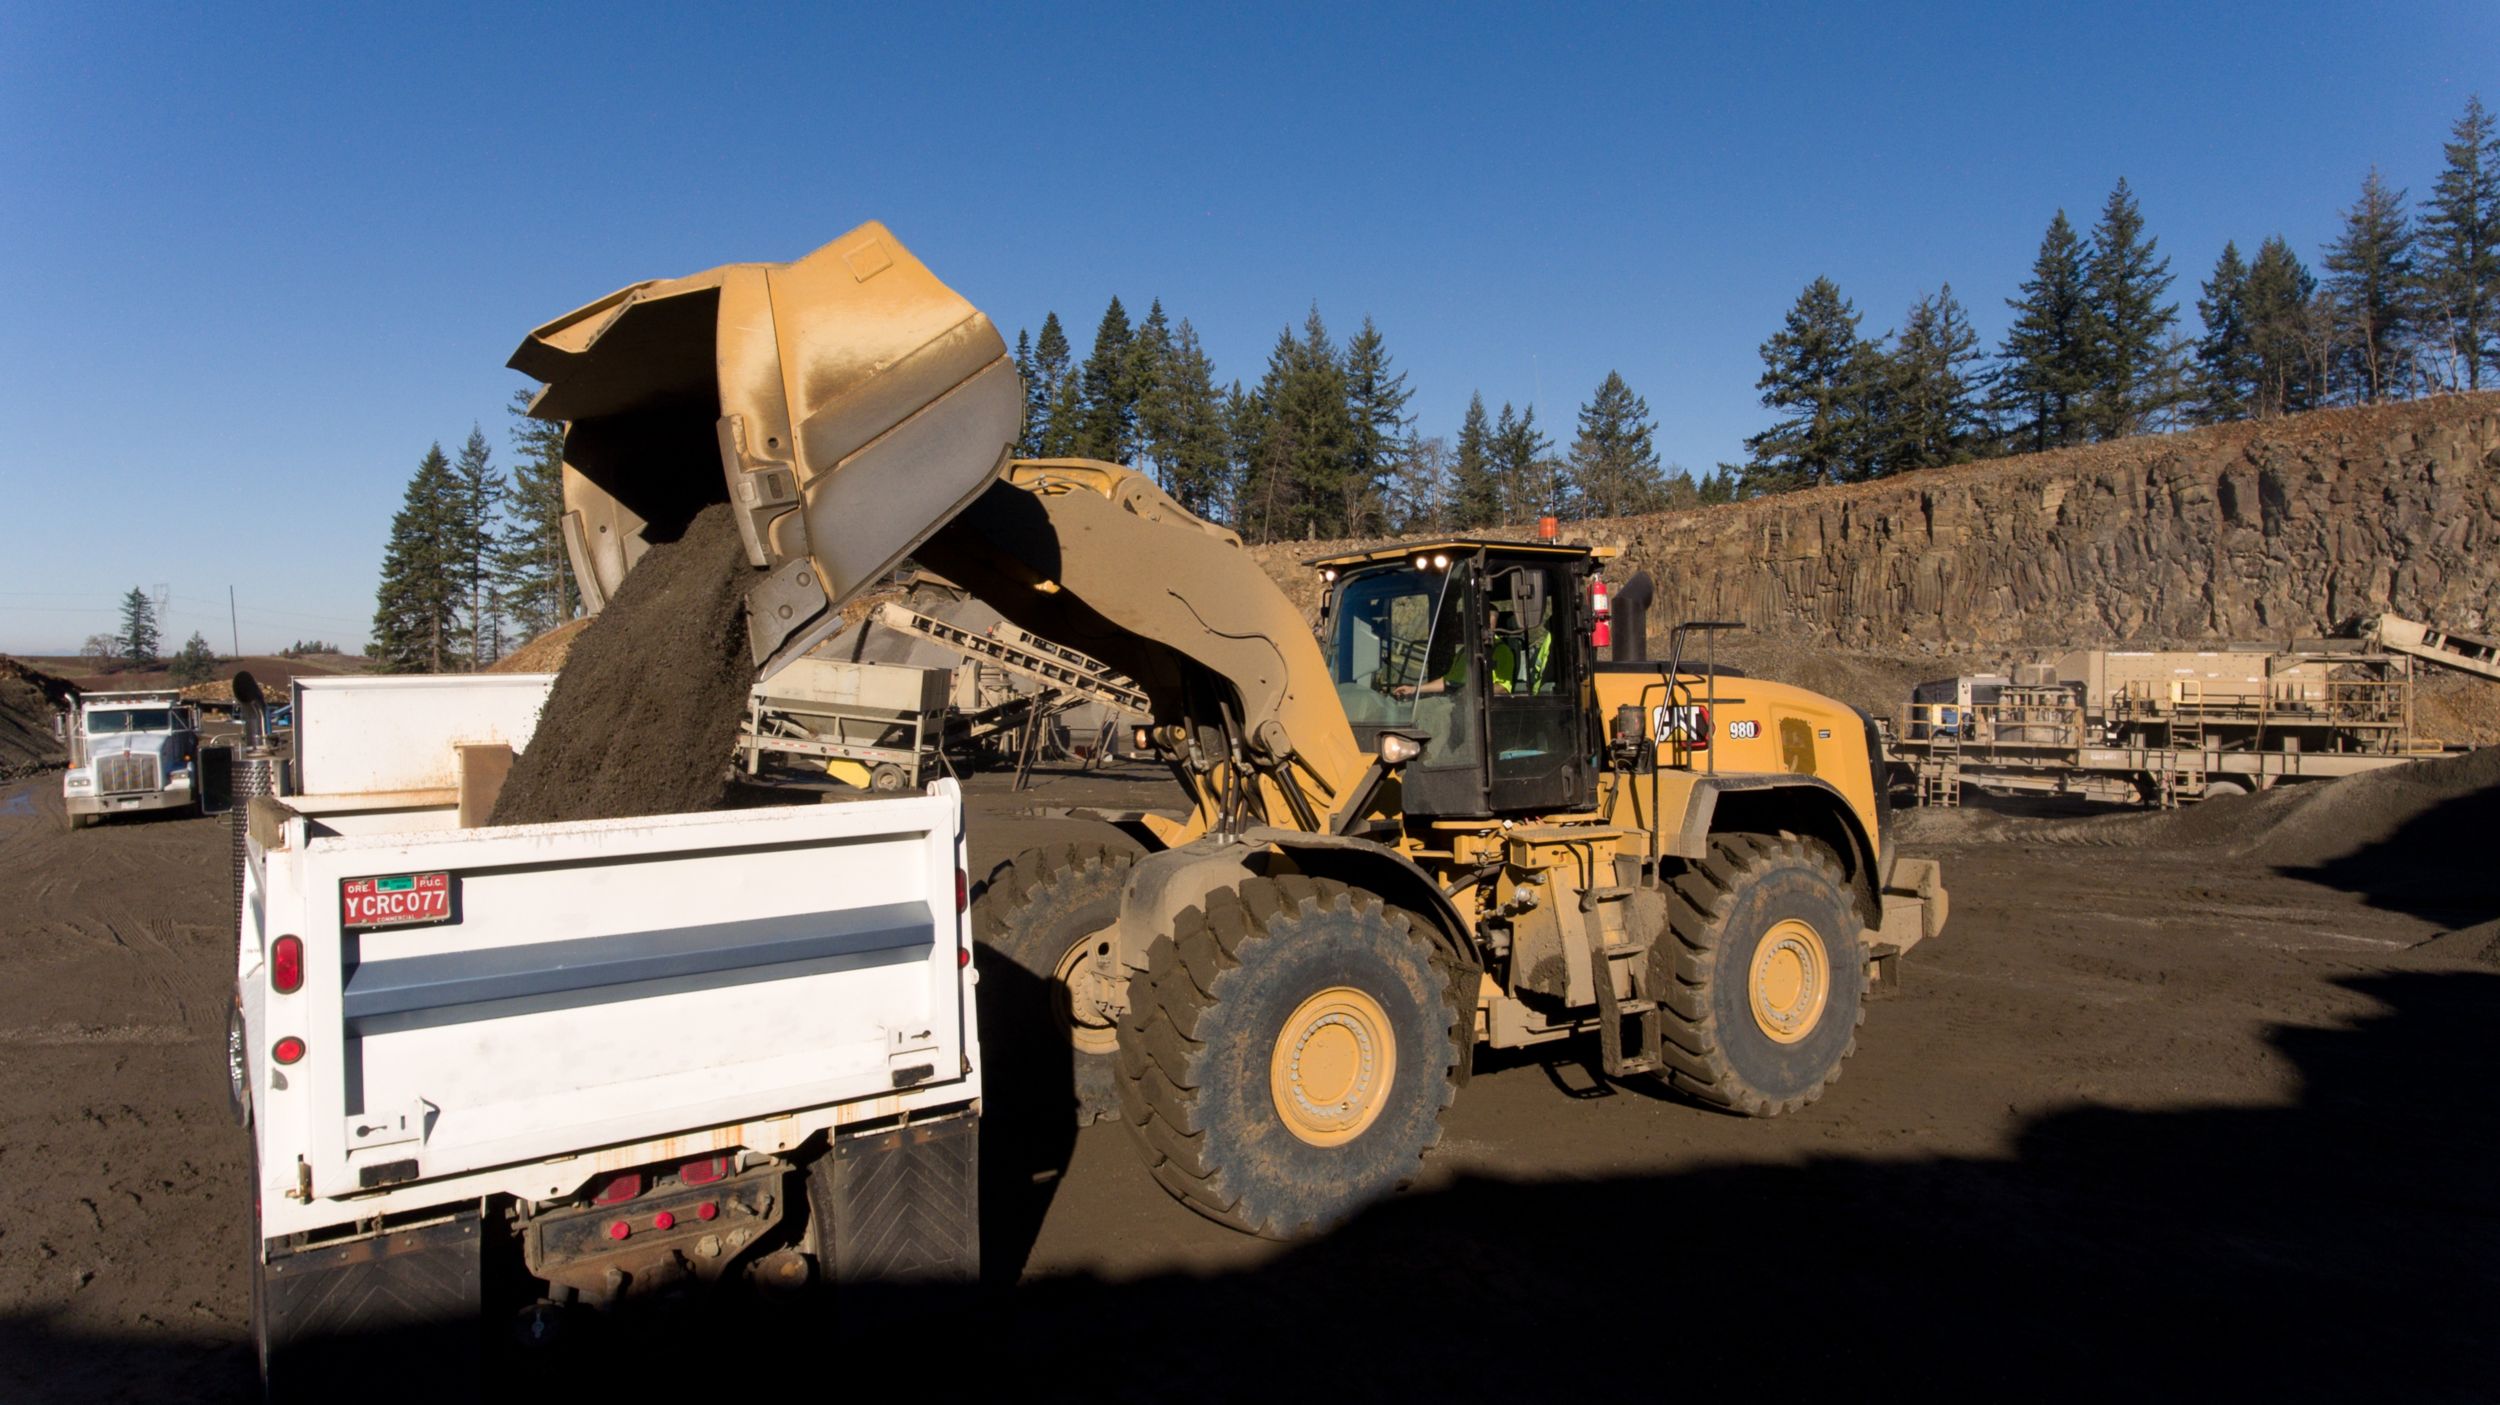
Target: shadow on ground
{"x":2343,"y":1244}
{"x":2436,"y":865}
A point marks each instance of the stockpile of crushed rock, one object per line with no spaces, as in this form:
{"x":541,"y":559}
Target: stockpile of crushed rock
{"x":29,"y":699}
{"x":2415,"y":838}
{"x":644,"y":713}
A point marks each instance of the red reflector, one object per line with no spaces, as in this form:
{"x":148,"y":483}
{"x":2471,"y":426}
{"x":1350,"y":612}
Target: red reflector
{"x":664,"y":1220}
{"x":286,"y":965}
{"x":287,"y":1050}
{"x":963,"y":891}
{"x":706,"y":1210}
{"x":963,"y":958}
{"x":619,"y":1230}
{"x":705,"y":1171}
{"x":618,"y":1189}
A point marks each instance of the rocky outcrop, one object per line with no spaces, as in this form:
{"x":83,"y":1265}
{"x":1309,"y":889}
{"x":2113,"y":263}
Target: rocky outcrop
{"x":2261,"y":530}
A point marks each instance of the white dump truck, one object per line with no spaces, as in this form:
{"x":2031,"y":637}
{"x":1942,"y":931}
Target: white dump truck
{"x":571,"y":1065}
{"x":129,"y":751}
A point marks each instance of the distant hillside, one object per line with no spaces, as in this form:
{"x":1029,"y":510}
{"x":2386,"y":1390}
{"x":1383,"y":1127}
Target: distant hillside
{"x":2254,"y":530}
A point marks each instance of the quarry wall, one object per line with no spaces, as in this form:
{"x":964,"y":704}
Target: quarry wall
{"x":2257,"y":530}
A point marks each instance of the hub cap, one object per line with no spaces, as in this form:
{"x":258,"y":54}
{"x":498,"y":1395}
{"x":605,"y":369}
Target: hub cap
{"x":1333,"y":1066}
{"x":1080,"y":994}
{"x":1790,"y":980}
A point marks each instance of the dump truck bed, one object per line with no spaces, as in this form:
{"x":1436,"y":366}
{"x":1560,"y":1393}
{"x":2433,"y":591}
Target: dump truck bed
{"x":516,"y":1009}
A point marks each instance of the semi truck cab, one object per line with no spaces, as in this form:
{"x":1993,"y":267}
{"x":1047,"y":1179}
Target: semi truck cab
{"x":130,"y":751}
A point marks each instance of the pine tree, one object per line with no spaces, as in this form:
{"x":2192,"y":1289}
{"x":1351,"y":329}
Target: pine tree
{"x":2048,"y":373}
{"x":1152,"y":375}
{"x":2460,"y":239}
{"x":1814,"y":369}
{"x":139,"y":638}
{"x":1301,"y":454}
{"x":1251,"y":496}
{"x":1046,"y":435}
{"x":1109,"y":416}
{"x":1934,"y":415}
{"x":1028,"y":441}
{"x":1614,"y":459}
{"x":1378,"y":439}
{"x":416,"y":616}
{"x":1475,"y":493}
{"x":1420,"y":497}
{"x":2283,"y":344}
{"x":477,"y":507}
{"x":1063,"y":420}
{"x":535,"y":588}
{"x":1196,"y":461}
{"x":197,"y":663}
{"x":2130,"y":325}
{"x":2370,"y":280}
{"x":2226,"y":358}
{"x":1524,"y":466}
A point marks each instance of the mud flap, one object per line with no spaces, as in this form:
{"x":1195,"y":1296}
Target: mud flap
{"x":399,"y":1308}
{"x":904,"y":1206}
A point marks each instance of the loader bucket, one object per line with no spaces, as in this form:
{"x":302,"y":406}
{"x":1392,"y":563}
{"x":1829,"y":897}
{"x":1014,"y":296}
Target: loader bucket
{"x":846,"y":405}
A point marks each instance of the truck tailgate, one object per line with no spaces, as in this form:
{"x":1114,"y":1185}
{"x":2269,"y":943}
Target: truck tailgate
{"x":478,"y":997}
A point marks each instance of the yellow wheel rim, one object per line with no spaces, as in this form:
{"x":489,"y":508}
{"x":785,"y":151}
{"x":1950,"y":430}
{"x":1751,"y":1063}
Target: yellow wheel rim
{"x":1334,"y":1064}
{"x":1790,"y":980}
{"x":1079,"y":1004}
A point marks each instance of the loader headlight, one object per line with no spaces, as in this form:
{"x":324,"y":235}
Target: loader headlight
{"x":1397,"y":749}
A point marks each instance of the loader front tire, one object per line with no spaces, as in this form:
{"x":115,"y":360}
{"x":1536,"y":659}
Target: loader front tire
{"x":1761,"y":974}
{"x":1034,"y":932}
{"x":1288,"y":1054}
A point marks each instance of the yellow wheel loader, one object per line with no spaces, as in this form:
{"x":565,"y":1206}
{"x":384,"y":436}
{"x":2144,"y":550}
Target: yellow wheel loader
{"x":1439,"y":821}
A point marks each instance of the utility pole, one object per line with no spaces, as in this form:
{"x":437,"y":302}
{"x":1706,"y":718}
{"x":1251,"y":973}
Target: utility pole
{"x":234,"y":628}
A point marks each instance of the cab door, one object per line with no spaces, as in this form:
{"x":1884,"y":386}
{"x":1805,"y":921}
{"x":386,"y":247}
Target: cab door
{"x":1540,"y":753}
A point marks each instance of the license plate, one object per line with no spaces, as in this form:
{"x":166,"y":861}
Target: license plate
{"x":395,"y":900}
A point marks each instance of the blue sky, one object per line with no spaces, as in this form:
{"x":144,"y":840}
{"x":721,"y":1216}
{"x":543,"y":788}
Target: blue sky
{"x":259,"y":258}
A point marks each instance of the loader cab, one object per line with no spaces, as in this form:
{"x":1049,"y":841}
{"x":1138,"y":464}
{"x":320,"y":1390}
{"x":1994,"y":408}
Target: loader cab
{"x":1478,"y":649}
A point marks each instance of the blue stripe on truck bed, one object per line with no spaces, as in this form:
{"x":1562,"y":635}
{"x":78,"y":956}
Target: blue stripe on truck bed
{"x":407,"y":983}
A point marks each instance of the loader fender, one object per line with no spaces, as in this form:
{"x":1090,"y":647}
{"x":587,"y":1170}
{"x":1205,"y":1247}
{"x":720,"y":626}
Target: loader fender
{"x":1765,"y":804}
{"x":1162,"y":885}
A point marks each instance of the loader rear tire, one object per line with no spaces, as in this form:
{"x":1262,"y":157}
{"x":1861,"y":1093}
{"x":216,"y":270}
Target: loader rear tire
{"x":1288,"y":1054}
{"x":1761,"y":974}
{"x":1034,"y":928}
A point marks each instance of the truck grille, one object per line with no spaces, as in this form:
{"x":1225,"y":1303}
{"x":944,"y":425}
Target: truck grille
{"x":124,"y":773}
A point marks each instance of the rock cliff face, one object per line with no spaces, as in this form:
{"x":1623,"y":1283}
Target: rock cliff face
{"x":2250,"y":531}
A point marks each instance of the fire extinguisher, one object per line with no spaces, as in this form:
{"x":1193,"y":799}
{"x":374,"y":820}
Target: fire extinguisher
{"x":1601,"y":633}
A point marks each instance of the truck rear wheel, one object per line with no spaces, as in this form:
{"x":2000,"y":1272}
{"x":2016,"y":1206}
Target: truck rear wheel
{"x":1288,"y":1054}
{"x":1035,"y":932}
{"x":1762,"y":975}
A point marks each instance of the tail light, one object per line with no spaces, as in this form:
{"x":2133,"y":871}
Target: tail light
{"x":705,"y":1171}
{"x":617,"y":1189}
{"x":286,"y":965}
{"x":287,"y":1050}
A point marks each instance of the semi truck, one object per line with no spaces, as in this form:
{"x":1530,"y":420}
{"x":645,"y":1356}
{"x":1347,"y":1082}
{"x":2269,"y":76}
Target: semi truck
{"x":539,"y":1070}
{"x":129,"y":752}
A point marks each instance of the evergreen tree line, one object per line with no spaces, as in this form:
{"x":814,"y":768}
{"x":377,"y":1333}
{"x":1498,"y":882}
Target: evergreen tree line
{"x":1321,"y":445}
{"x":476,"y":564}
{"x":2409,"y":305}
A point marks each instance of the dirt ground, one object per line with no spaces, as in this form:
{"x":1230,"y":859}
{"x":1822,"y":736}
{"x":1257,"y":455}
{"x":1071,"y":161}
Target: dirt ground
{"x":2156,"y":1113}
